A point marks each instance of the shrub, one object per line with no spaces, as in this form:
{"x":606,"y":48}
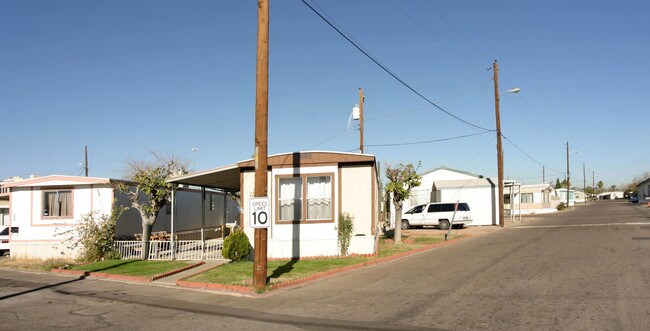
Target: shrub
{"x":236,"y":246}
{"x":561,"y":206}
{"x":346,"y":226}
{"x":95,"y":235}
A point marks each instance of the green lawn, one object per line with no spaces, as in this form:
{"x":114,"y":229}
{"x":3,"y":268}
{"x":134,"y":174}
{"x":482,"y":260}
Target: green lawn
{"x":136,"y":268}
{"x":240,"y":273}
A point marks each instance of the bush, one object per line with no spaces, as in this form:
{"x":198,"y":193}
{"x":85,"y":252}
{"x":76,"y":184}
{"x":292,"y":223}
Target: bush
{"x":95,"y":236}
{"x":561,"y":206}
{"x":236,"y":246}
{"x":346,"y":226}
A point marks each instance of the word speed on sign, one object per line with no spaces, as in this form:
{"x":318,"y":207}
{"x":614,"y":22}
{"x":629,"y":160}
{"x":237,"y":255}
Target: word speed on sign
{"x":259,"y":212}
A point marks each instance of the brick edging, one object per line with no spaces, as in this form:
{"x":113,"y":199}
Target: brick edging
{"x":169,"y":273}
{"x":124,"y":277}
{"x":249,"y":289}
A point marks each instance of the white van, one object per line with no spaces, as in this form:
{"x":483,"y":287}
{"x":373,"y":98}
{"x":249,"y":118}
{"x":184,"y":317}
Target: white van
{"x":436,"y":213}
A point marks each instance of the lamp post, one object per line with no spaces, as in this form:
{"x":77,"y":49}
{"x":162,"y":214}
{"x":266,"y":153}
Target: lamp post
{"x":194,"y":150}
{"x":495,"y":69}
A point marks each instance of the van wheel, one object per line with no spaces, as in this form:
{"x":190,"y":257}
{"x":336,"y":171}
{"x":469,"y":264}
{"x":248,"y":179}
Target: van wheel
{"x":443,"y":224}
{"x":405,"y":225}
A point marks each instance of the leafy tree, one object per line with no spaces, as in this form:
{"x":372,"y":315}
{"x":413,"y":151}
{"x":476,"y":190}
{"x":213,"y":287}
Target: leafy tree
{"x":401,"y":179}
{"x":557,"y":183}
{"x":600,"y":186}
{"x":613,"y":187}
{"x":149,"y":180}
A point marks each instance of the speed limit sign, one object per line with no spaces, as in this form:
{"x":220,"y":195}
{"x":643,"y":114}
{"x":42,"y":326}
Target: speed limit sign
{"x":259,"y":212}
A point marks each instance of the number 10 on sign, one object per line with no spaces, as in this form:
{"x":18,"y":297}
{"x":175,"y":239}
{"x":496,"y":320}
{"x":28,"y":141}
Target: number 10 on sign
{"x":259,"y":214}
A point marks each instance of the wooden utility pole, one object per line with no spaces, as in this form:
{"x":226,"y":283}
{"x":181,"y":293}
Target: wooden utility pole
{"x":543,"y":174}
{"x":261,"y":137}
{"x":361,"y":99}
{"x":584,"y":180}
{"x":495,"y":69}
{"x":568,"y":176}
{"x":86,"y":159}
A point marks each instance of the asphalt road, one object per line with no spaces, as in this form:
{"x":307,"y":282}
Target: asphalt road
{"x":584,"y":269}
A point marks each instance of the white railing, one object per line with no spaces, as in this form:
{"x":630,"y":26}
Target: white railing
{"x":162,"y":249}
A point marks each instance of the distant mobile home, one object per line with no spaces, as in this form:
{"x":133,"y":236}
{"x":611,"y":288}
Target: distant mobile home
{"x":449,"y":185}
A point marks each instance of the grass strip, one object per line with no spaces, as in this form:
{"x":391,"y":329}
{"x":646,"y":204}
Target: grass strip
{"x":137,"y":268}
{"x":240,"y":273}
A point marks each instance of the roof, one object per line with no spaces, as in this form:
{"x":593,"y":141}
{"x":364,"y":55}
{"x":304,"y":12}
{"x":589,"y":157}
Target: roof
{"x":227,"y":177}
{"x":643,"y":182}
{"x":451,"y":169}
{"x":463,"y":183}
{"x":58,"y":180}
{"x":536,"y":188}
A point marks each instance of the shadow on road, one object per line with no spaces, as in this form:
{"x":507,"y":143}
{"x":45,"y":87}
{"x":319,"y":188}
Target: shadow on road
{"x":9,"y":296}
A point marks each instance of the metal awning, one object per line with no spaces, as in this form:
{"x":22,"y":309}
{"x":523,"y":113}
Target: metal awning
{"x":226,"y":178}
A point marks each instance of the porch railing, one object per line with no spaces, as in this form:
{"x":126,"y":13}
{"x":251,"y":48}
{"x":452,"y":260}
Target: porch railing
{"x":162,"y":249}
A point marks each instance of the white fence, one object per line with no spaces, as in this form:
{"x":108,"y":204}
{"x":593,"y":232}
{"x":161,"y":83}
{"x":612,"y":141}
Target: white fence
{"x":162,"y":249}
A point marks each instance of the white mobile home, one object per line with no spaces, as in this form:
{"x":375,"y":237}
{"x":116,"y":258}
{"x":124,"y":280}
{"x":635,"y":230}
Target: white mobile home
{"x":44,"y":212}
{"x":307,"y":190}
{"x":448,"y":185}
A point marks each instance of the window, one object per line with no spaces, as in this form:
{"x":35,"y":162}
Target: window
{"x":305,"y":198}
{"x":57,"y":204}
{"x":526,"y":198}
{"x":211,"y":202}
{"x":416,"y":209}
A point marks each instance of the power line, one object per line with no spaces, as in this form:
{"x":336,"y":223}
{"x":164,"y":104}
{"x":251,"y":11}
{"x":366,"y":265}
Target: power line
{"x":328,"y":139}
{"x":459,"y":33}
{"x":388,"y":71}
{"x":530,"y":157}
{"x":438,"y":40}
{"x":429,"y":141}
{"x":439,"y":101}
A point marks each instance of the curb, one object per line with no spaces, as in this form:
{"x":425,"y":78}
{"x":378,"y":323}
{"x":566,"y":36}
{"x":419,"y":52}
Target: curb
{"x":124,"y":277}
{"x":249,"y":289}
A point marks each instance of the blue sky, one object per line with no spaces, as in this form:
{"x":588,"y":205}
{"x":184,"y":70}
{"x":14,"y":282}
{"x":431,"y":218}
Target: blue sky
{"x":128,"y":77}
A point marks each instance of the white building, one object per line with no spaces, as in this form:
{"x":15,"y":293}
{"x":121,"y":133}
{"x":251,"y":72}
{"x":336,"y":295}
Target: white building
{"x":532,"y":199}
{"x":643,"y":191}
{"x":449,"y":185}
{"x":307,"y":191}
{"x":45,"y":211}
{"x":611,"y":195}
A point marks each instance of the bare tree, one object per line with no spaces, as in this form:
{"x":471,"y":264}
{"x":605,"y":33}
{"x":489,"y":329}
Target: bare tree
{"x":150,"y":191}
{"x":401,"y":179}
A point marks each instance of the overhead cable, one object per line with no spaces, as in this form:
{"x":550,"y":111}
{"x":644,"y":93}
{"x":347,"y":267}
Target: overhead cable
{"x":388,"y":71}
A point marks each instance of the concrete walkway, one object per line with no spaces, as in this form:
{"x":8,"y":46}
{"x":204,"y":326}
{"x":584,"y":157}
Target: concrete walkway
{"x":171,"y":280}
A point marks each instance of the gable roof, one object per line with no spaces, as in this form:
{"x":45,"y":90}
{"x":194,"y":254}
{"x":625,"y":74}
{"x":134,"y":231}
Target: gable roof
{"x":643,"y":182}
{"x":451,"y":169}
{"x":462,"y":183}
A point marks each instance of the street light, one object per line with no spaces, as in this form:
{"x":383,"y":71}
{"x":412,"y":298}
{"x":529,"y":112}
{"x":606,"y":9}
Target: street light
{"x":194,"y":150}
{"x":495,"y":69}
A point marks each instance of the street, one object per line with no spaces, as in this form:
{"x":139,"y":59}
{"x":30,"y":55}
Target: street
{"x":586,"y":268}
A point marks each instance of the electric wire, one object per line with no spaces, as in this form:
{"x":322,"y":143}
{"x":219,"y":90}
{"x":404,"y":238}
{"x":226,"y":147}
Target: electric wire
{"x":530,"y":157}
{"x":457,"y":31}
{"x":481,"y":71}
{"x":388,"y":71}
{"x":428,"y":141}
{"x":328,"y":139}
{"x":424,"y":107}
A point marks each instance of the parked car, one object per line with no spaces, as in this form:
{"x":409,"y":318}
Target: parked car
{"x":437,"y":214}
{"x":4,"y":241}
{"x":634,"y":199}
